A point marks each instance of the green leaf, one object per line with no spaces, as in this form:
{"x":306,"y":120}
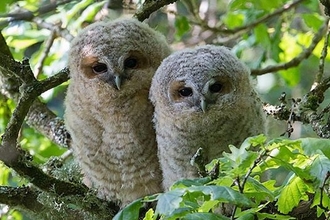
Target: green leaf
{"x":223,"y":194}
{"x":130,"y":212}
{"x":247,"y":216}
{"x":149,"y":215}
{"x":312,"y":146}
{"x":169,"y":201}
{"x":320,"y":169}
{"x":291,"y":76}
{"x":236,"y":4}
{"x":203,"y":216}
{"x":208,"y":205}
{"x":4,"y":4}
{"x":262,"y":36}
{"x":292,"y":194}
{"x":272,"y":216}
{"x":239,"y":160}
{"x":257,"y":140}
{"x":234,"y":19}
{"x":182,"y":26}
{"x":254,"y":189}
{"x":77,"y":8}
{"x":317,"y":202}
{"x":268,"y":5}
{"x":312,"y":20}
{"x":184,"y":183}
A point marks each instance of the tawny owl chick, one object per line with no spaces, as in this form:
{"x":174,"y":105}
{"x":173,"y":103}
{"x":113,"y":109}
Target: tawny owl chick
{"x":108,"y":113}
{"x":203,"y":98}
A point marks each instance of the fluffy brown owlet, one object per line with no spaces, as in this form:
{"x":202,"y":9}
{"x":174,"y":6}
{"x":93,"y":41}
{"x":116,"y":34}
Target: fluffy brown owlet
{"x":108,"y":113}
{"x":203,"y":98}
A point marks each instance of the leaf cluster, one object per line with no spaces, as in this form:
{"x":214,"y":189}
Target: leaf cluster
{"x":276,"y":179}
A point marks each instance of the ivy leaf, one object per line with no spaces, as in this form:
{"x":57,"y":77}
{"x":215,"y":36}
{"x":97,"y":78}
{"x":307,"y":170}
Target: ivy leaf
{"x":292,"y":194}
{"x":130,"y":212}
{"x":203,"y":216}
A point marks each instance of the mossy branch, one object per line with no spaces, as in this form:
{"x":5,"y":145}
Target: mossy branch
{"x":150,"y":6}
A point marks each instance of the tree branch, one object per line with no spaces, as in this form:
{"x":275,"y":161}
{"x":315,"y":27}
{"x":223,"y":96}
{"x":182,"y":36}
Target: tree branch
{"x":39,"y":116}
{"x":150,"y":6}
{"x":298,"y":59}
{"x":305,"y":110}
{"x":21,"y":197}
{"x":247,"y":27}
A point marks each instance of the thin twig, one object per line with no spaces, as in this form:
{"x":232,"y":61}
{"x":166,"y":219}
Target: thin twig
{"x":62,"y":32}
{"x":298,"y":59}
{"x":48,"y":45}
{"x":245,"y":28}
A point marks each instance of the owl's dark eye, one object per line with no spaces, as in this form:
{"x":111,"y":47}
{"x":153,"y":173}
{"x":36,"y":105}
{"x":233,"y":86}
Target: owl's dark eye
{"x":185,"y":92}
{"x":130,"y":63}
{"x":216,"y":87}
{"x":100,"y":68}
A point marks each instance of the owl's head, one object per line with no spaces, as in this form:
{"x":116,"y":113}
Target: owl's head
{"x":116,"y":54}
{"x":196,"y":80}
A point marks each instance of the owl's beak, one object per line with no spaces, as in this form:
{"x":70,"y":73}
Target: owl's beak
{"x":118,"y":81}
{"x":203,"y":104}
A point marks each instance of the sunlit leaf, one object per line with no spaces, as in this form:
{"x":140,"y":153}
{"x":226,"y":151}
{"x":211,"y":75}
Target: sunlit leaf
{"x":149,"y":215}
{"x":208,"y":205}
{"x":234,"y":19}
{"x":257,"y":140}
{"x":292,"y":194}
{"x":76,"y":9}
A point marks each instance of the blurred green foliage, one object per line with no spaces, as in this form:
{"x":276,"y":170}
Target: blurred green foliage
{"x":273,"y":41}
